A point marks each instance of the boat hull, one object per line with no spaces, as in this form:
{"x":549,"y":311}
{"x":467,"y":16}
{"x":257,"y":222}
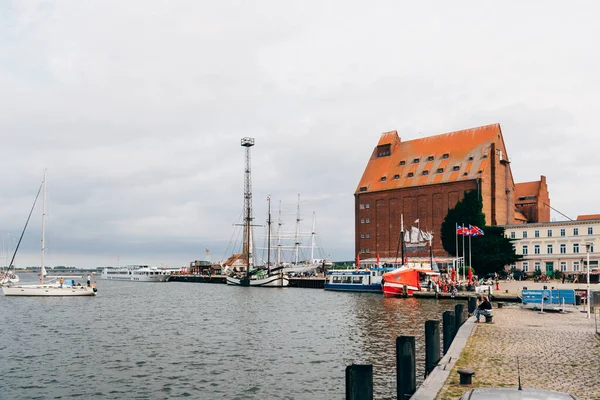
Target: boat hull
{"x":269,"y":281}
{"x":353,"y":288}
{"x":48,"y":290}
{"x":397,"y":290}
{"x":155,"y":278}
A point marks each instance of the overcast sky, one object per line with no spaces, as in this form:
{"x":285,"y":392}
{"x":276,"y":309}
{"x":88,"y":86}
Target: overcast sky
{"x":137,"y":108}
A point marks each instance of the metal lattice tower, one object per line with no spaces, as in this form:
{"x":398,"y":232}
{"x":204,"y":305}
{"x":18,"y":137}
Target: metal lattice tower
{"x":248,"y":142}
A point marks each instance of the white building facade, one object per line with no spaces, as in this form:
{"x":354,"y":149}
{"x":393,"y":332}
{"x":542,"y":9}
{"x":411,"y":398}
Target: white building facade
{"x":552,"y":246}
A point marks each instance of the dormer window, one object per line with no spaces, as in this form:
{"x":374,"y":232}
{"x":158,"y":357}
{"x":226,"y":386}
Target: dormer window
{"x":383,"y":179}
{"x":466,"y":173}
{"x":521,"y":198}
{"x":455,"y":168}
{"x":440,"y":170}
{"x":425,"y":172}
{"x":446,"y":155}
{"x":416,"y":161}
{"x":485,"y":156}
{"x":402,"y":162}
{"x":384,"y":150}
{"x":410,"y":174}
{"x":396,"y":177}
{"x":470,"y":158}
{"x":430,"y":158}
{"x":363,"y":189}
{"x":480,"y":172}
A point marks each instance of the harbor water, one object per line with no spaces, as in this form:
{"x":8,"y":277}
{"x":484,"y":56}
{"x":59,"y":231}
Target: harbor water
{"x":204,"y":341}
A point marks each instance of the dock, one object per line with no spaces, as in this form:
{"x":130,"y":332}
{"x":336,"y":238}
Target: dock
{"x":196,"y":278}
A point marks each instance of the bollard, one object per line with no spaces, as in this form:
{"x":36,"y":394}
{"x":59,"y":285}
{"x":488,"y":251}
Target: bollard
{"x":432,"y":345}
{"x":472,"y":304}
{"x":406,"y":373}
{"x":448,"y":329}
{"x":458,"y":316}
{"x":405,"y":291}
{"x":359,"y":382}
{"x":466,"y":376}
{"x":500,"y":304}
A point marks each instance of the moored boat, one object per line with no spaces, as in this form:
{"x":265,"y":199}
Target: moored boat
{"x":355,"y":280}
{"x":136,"y":273}
{"x":404,"y":281}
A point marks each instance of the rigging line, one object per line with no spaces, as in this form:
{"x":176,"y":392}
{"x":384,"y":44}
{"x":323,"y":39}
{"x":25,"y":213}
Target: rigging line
{"x":567,"y":217}
{"x":25,"y":227}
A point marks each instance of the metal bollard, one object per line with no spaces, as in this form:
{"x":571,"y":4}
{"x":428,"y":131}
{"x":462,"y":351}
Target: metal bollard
{"x":448,"y":329}
{"x":466,"y":376}
{"x":359,"y":382}
{"x":406,"y":373}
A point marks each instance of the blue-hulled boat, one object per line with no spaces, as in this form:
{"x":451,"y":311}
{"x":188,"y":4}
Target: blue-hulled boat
{"x":356,"y":280}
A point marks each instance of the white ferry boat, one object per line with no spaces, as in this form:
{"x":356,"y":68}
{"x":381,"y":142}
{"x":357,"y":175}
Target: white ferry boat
{"x":137,"y":273}
{"x":356,"y":280}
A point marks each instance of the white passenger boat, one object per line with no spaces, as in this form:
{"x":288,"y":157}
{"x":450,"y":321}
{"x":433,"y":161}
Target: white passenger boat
{"x":356,"y":280}
{"x":136,"y":273}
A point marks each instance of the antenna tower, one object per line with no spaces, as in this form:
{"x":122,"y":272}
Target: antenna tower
{"x":247,"y":142}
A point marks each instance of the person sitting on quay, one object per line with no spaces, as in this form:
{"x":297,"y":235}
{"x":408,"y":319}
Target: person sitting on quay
{"x":485,"y":308}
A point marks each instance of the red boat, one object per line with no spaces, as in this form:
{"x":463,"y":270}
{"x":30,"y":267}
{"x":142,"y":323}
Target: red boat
{"x":407,"y":278}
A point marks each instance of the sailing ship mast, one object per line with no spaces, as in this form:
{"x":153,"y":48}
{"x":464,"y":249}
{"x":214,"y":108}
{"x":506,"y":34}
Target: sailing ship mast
{"x":247,"y":142}
{"x":43,"y":269}
{"x":269,"y":238}
{"x":297,"y":235}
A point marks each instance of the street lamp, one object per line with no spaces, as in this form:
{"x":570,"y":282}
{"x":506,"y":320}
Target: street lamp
{"x":588,"y":246}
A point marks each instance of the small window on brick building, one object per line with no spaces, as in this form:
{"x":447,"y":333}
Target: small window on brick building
{"x":362,"y":235}
{"x":368,"y":236}
{"x":402,"y":162}
{"x":383,"y":179}
{"x":425,"y":172}
{"x":530,"y":197}
{"x":415,"y":161}
{"x":367,"y":205}
{"x":446,"y":155}
{"x":466,"y":173}
{"x":410,"y":174}
{"x":440,"y":170}
{"x":383,"y":150}
{"x":362,"y":206}
{"x":456,"y":168}
{"x":470,"y":158}
{"x":480,"y":172}
{"x":363,"y":189}
{"x":396,"y":177}
{"x":521,"y":198}
{"x":485,"y":156}
{"x":430,"y":158}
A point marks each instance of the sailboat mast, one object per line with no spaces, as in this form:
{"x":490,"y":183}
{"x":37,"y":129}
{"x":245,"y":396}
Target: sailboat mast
{"x":297,"y":241}
{"x":42,"y":268}
{"x":248,"y":142}
{"x":269,"y":238}
{"x":279,"y":223}
{"x":312,"y":237}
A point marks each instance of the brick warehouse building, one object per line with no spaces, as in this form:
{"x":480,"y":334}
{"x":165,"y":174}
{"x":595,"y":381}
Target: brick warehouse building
{"x":424,"y":178}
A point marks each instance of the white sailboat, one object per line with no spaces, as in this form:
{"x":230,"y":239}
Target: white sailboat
{"x":253,"y":276}
{"x":59,"y":285}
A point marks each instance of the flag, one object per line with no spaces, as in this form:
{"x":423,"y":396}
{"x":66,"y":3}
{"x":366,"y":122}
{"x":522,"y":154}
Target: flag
{"x":461,"y":230}
{"x":475,"y":231}
{"x":378,"y":260}
{"x":417,"y":221}
{"x":357,"y":260}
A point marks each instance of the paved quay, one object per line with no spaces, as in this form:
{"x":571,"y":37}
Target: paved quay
{"x":556,"y":352}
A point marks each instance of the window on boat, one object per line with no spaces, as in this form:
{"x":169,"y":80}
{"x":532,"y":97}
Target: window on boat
{"x":347,"y":279}
{"x":357,"y":280}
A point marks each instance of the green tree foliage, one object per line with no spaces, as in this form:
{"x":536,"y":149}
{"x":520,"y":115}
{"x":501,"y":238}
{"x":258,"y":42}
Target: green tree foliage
{"x":468,"y":211}
{"x":491,"y":252}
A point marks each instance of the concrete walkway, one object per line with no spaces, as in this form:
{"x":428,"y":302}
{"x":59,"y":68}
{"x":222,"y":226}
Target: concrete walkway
{"x":555,"y":351}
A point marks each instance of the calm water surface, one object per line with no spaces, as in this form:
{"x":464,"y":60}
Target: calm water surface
{"x":204,"y":341}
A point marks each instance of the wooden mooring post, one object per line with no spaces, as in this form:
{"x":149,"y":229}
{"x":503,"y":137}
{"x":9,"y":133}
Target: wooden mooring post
{"x":432,"y":345}
{"x":406,"y":373}
{"x":448,"y":329}
{"x":359,"y":382}
{"x":459,"y":317}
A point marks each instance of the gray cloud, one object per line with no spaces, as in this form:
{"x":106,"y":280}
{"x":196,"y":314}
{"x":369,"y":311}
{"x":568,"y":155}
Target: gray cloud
{"x":137,"y":109}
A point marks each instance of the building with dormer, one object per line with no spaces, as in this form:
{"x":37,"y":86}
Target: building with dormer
{"x":422,"y":179}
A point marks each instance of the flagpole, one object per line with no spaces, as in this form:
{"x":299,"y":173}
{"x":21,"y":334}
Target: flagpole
{"x":456,"y":248}
{"x":463,"y":237}
{"x":470,"y":259}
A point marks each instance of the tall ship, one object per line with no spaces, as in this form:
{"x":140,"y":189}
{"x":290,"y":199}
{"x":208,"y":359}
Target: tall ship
{"x":135,"y":273}
{"x":247,"y":274}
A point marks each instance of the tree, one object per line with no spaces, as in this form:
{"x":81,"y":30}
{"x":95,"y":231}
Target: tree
{"x":491,"y":252}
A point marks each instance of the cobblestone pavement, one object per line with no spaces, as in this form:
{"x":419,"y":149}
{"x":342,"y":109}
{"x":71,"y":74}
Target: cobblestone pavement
{"x":556,"y":352}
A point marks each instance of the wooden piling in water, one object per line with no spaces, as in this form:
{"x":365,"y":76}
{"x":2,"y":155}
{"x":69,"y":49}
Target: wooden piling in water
{"x":359,"y":382}
{"x":448,"y":329}
{"x":432,"y":345}
{"x":406,"y":374}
